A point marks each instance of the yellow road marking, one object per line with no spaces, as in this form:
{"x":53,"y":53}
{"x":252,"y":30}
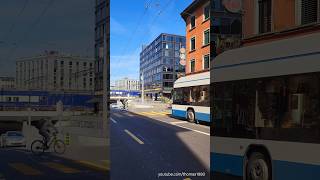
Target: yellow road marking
{"x":61,"y":168}
{"x":160,"y":113}
{"x":153,"y":113}
{"x":143,"y":113}
{"x":187,"y":179}
{"x":25,"y":169}
{"x":95,"y":166}
{"x":166,"y":113}
{"x":134,"y":137}
{"x":179,"y":122}
{"x":106,"y":163}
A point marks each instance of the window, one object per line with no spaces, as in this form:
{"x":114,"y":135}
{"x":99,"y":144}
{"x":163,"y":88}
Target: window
{"x":283,"y":108}
{"x":206,"y":12}
{"x":225,"y":25}
{"x":309,"y":11}
{"x":236,"y":27}
{"x":196,"y":96}
{"x":206,"y":37}
{"x":176,"y":54}
{"x":264,"y":16}
{"x":168,"y":84}
{"x":192,"y":65}
{"x":167,"y":76}
{"x":166,"y":53}
{"x":15,"y":99}
{"x":192,"y":22}
{"x":192,"y":44}
{"x":206,"y":61}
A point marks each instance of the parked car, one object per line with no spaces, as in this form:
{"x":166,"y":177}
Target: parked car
{"x":116,"y":105}
{"x":13,"y":139}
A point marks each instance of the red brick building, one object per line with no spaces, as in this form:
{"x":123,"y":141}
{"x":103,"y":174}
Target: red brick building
{"x":197,"y":18}
{"x":268,"y":20}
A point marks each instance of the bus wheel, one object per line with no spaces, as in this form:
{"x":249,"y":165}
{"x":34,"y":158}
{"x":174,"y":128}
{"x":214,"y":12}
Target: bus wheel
{"x":258,"y":168}
{"x":190,"y":116}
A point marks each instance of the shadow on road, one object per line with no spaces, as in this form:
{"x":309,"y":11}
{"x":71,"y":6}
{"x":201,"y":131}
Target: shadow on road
{"x":167,"y":149}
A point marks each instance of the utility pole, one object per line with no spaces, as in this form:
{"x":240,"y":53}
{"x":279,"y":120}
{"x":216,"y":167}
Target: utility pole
{"x":142,"y":88}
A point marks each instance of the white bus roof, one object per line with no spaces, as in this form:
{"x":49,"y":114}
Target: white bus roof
{"x":282,"y":57}
{"x":193,"y":80}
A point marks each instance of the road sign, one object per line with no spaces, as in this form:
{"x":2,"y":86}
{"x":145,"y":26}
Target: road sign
{"x":182,"y":56}
{"x":233,"y":6}
{"x":182,"y":50}
{"x":183,"y":62}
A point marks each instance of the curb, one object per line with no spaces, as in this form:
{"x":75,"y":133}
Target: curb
{"x":89,"y":164}
{"x":93,"y":166}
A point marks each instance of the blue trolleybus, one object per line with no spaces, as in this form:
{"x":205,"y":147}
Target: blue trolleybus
{"x":266,"y":111}
{"x":191,"y":98}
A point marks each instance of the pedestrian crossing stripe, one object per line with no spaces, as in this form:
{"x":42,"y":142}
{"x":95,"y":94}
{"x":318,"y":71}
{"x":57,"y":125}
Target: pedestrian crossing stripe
{"x":25,"y":169}
{"x":29,"y":170}
{"x":104,"y":167}
{"x":60,"y":167}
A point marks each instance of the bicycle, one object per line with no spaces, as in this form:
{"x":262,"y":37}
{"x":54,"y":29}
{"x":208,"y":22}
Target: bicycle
{"x":38,"y":146}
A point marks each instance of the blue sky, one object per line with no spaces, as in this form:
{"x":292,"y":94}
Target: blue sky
{"x":126,"y":17}
{"x":29,"y":27}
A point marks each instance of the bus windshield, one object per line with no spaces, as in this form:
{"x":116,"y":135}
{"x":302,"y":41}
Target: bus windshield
{"x":195,"y":96}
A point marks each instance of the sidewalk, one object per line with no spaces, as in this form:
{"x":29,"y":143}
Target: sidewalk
{"x":90,"y":151}
{"x":86,"y":146}
{"x":149,"y":104}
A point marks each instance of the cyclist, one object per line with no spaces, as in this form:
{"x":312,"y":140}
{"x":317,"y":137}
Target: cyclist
{"x":124,"y":103}
{"x":46,"y":130}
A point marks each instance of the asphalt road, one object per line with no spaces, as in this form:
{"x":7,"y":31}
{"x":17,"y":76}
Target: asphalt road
{"x":151,"y":145}
{"x":18,"y":164}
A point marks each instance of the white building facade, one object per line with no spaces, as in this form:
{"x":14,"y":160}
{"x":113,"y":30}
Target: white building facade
{"x":55,"y":72}
{"x":127,"y":84}
{"x":7,"y":83}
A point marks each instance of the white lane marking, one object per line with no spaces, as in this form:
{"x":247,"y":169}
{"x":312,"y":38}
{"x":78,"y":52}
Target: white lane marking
{"x":176,"y":124}
{"x":114,"y":121}
{"x":133,"y":136}
{"x":208,"y":134}
{"x":179,"y":122}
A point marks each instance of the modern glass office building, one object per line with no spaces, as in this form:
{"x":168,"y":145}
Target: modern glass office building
{"x":160,"y":65}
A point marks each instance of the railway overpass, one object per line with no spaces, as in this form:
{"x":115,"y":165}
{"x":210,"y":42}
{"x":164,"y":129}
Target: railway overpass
{"x":114,"y":99}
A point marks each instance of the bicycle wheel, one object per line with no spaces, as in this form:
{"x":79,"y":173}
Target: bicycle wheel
{"x":59,"y":147}
{"x":37,"y":147}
